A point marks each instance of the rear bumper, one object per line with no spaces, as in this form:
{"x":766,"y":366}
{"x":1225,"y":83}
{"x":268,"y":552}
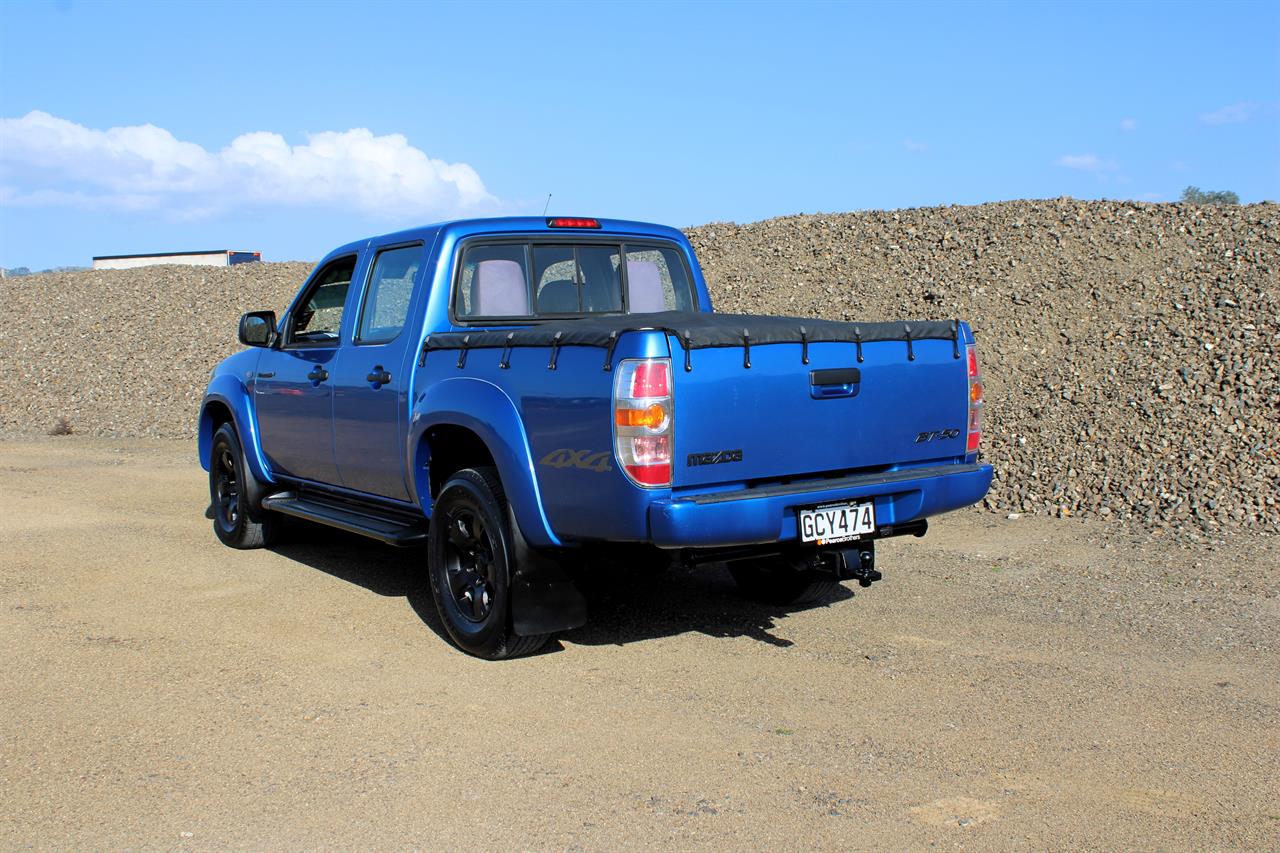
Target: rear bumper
{"x":768,"y":514}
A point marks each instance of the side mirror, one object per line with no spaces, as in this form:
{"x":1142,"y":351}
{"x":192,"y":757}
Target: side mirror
{"x":258,"y":329}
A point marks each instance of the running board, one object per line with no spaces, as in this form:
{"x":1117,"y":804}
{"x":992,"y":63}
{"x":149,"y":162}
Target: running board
{"x":391,"y":528}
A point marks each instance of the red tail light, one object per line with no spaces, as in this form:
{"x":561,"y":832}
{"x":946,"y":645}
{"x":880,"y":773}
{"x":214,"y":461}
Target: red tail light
{"x":975,"y":401}
{"x":651,"y":379}
{"x":643,"y":426}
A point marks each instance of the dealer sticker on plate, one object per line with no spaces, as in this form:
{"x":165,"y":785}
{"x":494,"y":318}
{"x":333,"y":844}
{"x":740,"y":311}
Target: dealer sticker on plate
{"x":834,"y":523}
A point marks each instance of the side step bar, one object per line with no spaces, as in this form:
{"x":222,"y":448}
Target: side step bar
{"x":389,"y":527}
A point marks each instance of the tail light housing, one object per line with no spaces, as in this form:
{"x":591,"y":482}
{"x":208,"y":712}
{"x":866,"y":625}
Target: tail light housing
{"x":975,"y":400}
{"x":643,"y":421}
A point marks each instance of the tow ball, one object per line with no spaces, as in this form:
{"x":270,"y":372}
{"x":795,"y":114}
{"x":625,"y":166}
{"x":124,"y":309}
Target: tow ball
{"x":856,"y":563}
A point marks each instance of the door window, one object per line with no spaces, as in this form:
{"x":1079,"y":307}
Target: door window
{"x":386,"y":299}
{"x":318,"y":318}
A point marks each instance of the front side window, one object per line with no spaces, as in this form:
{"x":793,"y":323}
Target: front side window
{"x":386,"y":300}
{"x":536,"y":280}
{"x":319,"y":316}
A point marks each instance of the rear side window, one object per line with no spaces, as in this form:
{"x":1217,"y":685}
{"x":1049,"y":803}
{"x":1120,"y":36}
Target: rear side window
{"x":386,"y":299}
{"x":534,"y":280}
{"x":319,"y":315}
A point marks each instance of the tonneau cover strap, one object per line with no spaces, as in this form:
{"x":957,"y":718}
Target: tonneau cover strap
{"x":505,"y":364}
{"x":555,"y":350}
{"x":608,"y":353}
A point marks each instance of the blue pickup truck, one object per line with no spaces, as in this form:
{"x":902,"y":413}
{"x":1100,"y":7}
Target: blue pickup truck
{"x":516,"y":393}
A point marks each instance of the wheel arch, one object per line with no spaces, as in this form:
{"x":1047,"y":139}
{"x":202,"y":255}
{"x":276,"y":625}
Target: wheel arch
{"x":463,"y":422}
{"x":228,"y":401}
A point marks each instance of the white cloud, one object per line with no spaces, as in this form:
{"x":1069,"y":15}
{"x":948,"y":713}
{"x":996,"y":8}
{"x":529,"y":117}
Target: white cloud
{"x":1231,"y":114}
{"x":49,"y":161}
{"x":915,"y":145}
{"x":1128,"y":125}
{"x":1087,"y":163}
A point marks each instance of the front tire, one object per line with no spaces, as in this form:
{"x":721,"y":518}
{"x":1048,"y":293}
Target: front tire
{"x":229,"y":494}
{"x":771,"y":580}
{"x":470,"y":558}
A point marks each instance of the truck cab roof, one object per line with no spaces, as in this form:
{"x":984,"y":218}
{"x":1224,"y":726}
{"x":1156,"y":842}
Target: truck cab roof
{"x":459,"y":229}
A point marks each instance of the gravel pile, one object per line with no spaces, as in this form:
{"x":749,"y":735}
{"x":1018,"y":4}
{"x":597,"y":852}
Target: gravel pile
{"x":1131,"y":351}
{"x":125,"y":352}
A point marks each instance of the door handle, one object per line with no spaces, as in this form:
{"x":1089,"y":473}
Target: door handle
{"x":379,"y":376}
{"x":834,"y":382}
{"x":318,"y":374}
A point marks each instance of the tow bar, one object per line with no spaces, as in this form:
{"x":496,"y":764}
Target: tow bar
{"x":857,"y":563}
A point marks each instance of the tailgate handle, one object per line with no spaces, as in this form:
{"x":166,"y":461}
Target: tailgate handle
{"x":834,"y":382}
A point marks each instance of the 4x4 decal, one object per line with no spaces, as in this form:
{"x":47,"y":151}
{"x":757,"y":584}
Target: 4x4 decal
{"x":587,"y":460}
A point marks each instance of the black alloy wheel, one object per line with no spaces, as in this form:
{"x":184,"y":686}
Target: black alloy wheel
{"x":469,"y":556}
{"x":229,"y":486}
{"x":226,"y":488}
{"x":470,"y":559}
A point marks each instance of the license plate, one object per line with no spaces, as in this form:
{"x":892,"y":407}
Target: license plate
{"x":833,"y":523}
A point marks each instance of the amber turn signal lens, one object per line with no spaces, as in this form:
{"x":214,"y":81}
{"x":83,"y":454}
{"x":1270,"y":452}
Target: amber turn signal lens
{"x":651,"y":417}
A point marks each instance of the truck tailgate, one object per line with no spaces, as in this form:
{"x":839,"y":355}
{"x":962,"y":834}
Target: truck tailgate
{"x":781,"y":418}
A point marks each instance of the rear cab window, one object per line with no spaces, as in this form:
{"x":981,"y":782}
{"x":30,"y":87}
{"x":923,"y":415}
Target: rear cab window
{"x":537,"y":280}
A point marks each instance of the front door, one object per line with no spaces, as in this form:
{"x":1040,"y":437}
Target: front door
{"x":370,"y":379}
{"x":293,"y":390}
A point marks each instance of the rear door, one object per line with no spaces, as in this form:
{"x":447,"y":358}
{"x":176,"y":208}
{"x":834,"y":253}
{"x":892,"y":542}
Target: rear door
{"x":292,"y":390}
{"x":370,"y":387}
{"x":781,"y":418}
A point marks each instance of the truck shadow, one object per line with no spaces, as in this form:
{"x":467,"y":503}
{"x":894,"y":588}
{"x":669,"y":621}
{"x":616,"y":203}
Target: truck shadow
{"x":627,"y":602}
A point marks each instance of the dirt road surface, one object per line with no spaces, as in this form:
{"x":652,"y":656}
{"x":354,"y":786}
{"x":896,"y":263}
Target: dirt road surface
{"x":1011,"y":684}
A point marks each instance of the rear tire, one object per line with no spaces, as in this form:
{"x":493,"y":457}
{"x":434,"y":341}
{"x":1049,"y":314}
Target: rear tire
{"x":771,"y":580}
{"x":230,"y":484}
{"x":470,"y":558}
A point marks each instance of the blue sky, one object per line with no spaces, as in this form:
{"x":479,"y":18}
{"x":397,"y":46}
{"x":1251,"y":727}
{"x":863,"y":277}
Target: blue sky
{"x":288,"y":128}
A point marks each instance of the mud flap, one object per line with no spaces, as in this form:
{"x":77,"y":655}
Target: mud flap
{"x":543,"y":597}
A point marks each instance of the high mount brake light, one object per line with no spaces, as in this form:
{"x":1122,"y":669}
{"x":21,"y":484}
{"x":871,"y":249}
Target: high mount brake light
{"x":975,"y":400}
{"x":572,"y":222}
{"x":643,"y":420}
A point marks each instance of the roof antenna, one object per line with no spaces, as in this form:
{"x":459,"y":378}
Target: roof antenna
{"x":547,"y":205}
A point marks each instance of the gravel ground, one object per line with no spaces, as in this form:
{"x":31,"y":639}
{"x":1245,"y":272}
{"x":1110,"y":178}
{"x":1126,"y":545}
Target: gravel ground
{"x":1131,"y":351}
{"x":1038,"y":684}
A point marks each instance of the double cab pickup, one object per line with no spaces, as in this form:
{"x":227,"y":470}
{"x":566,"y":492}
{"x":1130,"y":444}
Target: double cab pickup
{"x":519,"y":395}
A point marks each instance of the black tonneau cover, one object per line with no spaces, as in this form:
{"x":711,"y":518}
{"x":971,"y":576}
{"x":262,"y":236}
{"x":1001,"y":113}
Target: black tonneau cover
{"x":698,"y":330}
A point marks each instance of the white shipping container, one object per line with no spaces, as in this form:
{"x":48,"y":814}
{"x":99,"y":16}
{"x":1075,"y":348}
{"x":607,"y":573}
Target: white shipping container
{"x":212,"y":258}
